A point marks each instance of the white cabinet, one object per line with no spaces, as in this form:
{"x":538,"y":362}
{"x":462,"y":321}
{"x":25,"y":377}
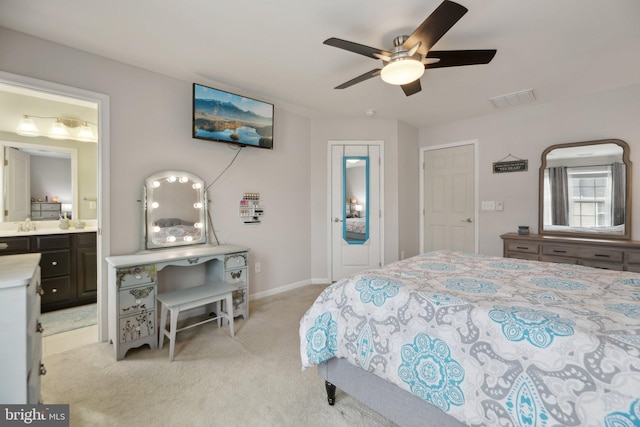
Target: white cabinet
{"x":20,"y":329}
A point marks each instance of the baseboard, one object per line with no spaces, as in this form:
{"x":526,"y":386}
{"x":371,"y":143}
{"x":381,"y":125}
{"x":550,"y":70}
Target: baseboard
{"x":288,"y":287}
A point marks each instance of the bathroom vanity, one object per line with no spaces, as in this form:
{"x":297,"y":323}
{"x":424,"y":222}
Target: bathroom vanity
{"x":68,"y":263}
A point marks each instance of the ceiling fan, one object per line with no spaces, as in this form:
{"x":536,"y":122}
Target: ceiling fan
{"x":411,"y":55}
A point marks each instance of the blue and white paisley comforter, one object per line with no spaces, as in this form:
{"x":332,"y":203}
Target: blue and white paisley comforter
{"x":489,"y":340}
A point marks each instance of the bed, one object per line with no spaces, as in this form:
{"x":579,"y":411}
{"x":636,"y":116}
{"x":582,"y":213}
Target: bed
{"x":466,"y":339}
{"x":356,"y":228}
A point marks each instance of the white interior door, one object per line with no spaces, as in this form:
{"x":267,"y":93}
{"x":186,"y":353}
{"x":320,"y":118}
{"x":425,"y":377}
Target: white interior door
{"x":449,"y":199}
{"x":17,"y":202}
{"x":355,"y":194}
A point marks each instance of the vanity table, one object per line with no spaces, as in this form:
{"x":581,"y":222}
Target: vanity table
{"x":133,"y":286}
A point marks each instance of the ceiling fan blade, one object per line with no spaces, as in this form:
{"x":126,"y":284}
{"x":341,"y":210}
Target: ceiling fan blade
{"x":360,"y":78}
{"x":435,"y":26}
{"x":411,"y":88}
{"x":361,"y":49}
{"x":455,"y":58}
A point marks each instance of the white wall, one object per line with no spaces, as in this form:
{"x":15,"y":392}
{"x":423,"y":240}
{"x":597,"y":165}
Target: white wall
{"x":525,"y":132}
{"x":150,"y":131}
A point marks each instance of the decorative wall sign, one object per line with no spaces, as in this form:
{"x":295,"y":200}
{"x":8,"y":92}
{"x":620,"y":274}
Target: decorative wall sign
{"x":517,"y":165}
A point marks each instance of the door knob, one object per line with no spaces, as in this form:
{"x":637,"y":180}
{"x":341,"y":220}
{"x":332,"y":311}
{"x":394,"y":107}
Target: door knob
{"x":336,"y":219}
{"x":468,"y":220}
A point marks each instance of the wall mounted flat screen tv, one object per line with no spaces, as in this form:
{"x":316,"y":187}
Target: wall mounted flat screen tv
{"x":234,"y":119}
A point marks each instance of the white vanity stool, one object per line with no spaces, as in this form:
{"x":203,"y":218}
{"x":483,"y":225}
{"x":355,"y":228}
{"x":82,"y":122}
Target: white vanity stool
{"x":198,"y":296}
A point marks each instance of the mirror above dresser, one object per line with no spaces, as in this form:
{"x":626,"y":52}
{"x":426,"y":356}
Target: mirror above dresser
{"x":585,"y":190}
{"x":584,"y":209}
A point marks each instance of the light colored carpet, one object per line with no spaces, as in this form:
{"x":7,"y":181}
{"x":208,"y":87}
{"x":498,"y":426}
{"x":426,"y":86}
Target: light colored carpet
{"x":68,"y":319}
{"x":254,"y":379}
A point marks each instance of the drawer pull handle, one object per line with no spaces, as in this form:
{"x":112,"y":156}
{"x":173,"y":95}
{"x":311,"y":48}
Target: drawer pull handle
{"x":43,"y":371}
{"x":54,"y":290}
{"x":40,"y":290}
{"x":522,"y":247}
{"x":39,"y":327}
{"x":602,"y":255}
{"x":54,"y":263}
{"x":558,"y":251}
{"x":4,"y":246}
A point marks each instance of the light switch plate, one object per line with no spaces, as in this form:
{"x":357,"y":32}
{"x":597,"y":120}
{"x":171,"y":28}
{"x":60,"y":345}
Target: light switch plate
{"x":488,"y":205}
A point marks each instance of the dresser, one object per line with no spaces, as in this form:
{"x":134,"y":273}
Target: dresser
{"x":68,"y":266}
{"x":134,"y":282}
{"x":623,"y":255}
{"x":20,"y":329}
{"x":45,"y":210}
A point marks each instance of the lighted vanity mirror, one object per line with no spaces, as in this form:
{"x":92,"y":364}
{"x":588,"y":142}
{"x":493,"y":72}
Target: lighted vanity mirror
{"x":585,"y":190}
{"x":355,"y":228}
{"x":175,"y":210}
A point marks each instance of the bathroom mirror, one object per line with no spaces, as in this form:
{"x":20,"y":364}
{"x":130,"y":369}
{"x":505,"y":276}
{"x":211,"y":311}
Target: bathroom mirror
{"x":175,"y":210}
{"x":355,"y":228}
{"x":585,"y":190}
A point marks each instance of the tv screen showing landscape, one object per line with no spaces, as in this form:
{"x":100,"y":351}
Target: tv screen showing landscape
{"x":226,"y":117}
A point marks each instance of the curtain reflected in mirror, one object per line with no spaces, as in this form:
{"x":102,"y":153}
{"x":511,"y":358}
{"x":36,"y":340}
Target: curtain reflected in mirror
{"x":175,"y":210}
{"x":584,"y":189}
{"x":356,"y":196}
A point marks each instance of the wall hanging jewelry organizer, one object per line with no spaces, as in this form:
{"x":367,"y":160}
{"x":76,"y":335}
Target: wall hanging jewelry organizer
{"x":250,"y":209}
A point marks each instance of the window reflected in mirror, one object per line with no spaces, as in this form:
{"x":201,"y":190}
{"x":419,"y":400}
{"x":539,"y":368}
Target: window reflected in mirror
{"x":356,"y":196}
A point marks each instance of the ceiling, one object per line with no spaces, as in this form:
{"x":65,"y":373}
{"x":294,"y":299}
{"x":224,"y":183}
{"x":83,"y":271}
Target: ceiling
{"x":274,"y":51}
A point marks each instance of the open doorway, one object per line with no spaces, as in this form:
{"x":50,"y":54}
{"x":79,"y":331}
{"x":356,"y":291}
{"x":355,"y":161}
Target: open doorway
{"x":23,"y":96}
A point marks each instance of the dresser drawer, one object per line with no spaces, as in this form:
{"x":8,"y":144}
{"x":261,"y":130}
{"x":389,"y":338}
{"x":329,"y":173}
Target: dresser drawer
{"x":137,"y":326}
{"x":526,"y":247}
{"x":559,"y":259}
{"x":135,"y":276}
{"x":53,"y":242}
{"x":594,"y":253}
{"x":523,"y":255}
{"x":603,"y":264}
{"x":14,"y":245}
{"x":55,"y":263}
{"x":136,"y":300}
{"x":87,"y":240}
{"x":235,"y":261}
{"x":236,"y":277}
{"x":56,"y":289}
{"x":632,"y":257}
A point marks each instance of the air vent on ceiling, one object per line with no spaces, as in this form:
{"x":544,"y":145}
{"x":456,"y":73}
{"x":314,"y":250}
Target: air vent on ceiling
{"x":513,"y":99}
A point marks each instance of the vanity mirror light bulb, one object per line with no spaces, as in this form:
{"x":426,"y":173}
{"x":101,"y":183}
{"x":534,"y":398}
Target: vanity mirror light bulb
{"x":155,"y":184}
{"x":197,"y":185}
{"x":197,"y":205}
{"x":156,"y":229}
{"x":155,"y":205}
{"x":188,"y":239}
{"x":183,"y":179}
{"x":171,"y":239}
{"x":198,"y":225}
{"x":172,"y":179}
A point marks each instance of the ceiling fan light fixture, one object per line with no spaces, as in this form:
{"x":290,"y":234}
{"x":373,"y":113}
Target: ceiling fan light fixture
{"x":402,"y":71}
